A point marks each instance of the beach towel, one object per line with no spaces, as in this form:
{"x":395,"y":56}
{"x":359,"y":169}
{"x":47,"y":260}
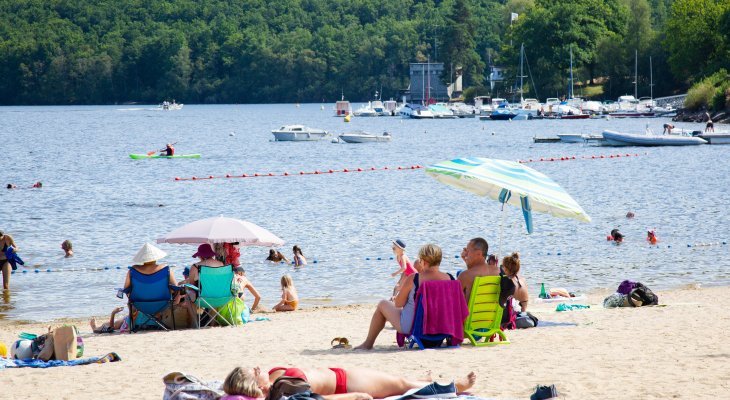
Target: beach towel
{"x":181,"y":386}
{"x":13,"y":258}
{"x":10,"y":363}
{"x":444,"y":309}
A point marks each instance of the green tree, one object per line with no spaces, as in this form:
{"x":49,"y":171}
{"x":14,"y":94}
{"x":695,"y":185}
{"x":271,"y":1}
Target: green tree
{"x":460,"y":48}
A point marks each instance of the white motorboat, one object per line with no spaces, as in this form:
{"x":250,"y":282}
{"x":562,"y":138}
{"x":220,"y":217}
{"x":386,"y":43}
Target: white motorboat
{"x":390,"y":107}
{"x":170,"y":106}
{"x":298,"y":133}
{"x":364,"y":137}
{"x":716,"y":137}
{"x":614,"y":138}
{"x":440,"y":110}
{"x":366,"y":111}
{"x":416,"y":111}
{"x":571,"y":138}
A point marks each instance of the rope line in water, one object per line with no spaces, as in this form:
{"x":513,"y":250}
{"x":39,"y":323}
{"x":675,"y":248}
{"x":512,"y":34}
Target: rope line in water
{"x":300,"y":173}
{"x":571,"y":158}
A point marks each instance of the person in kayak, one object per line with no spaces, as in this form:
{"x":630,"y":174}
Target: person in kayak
{"x":169,"y":150}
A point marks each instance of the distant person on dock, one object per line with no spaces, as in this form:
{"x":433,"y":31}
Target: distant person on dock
{"x":299,"y":260}
{"x":169,"y":150}
{"x":405,"y":268}
{"x":668,"y":129}
{"x":710,"y":127}
{"x":67,"y":248}
{"x":5,"y":242}
{"x":276,"y":256}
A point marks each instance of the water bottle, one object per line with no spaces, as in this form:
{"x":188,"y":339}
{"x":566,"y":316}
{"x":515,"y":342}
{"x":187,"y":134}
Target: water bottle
{"x":543,"y":293}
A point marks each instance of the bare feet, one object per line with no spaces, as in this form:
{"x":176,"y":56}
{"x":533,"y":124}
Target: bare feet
{"x":427,"y":377}
{"x":363,"y":346}
{"x":93,"y":324}
{"x":465,"y":383}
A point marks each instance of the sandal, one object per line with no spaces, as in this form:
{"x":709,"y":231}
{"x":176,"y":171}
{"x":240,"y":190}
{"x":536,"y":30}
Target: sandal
{"x":342,"y":343}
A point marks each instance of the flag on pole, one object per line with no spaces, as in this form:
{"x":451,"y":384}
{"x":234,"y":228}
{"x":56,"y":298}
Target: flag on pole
{"x":513,"y":17}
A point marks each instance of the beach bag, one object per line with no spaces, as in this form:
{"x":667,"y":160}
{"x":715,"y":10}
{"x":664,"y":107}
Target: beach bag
{"x":179,"y":386}
{"x":615,"y":300}
{"x":509,"y":317}
{"x":289,"y":387}
{"x":626,"y":287}
{"x":231,"y":311}
{"x":642,"y":296}
{"x":525,"y":320}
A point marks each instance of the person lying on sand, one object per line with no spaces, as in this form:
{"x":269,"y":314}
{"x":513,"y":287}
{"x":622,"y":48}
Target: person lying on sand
{"x":331,"y":383}
{"x":111,"y":326}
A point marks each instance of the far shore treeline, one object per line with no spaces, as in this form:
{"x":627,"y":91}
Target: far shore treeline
{"x":269,"y":51}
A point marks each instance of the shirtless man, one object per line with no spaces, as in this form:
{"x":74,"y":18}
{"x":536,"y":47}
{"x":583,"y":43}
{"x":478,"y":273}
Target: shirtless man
{"x":475,"y":258}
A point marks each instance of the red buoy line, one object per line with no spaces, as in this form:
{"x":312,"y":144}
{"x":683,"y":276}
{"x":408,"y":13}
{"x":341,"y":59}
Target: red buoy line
{"x":570,"y":158}
{"x":315,"y":172}
{"x":398,"y":168}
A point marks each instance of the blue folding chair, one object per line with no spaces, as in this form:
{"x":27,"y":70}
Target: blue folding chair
{"x":149,"y":295}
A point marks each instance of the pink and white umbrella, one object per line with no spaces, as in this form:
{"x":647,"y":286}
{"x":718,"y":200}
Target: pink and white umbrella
{"x":222,"y":230}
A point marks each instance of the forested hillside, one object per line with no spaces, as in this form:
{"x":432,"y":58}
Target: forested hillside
{"x":254,"y":51}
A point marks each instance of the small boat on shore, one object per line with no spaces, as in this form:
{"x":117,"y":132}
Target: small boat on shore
{"x":364,"y":137}
{"x":298,"y":133}
{"x":156,"y":156}
{"x":614,"y":138}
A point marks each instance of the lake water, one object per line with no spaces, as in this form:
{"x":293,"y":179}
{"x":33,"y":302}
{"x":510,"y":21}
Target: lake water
{"x":108,"y":205}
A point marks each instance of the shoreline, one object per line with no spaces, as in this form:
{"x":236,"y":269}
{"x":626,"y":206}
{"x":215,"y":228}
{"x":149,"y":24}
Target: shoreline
{"x":593,"y":353}
{"x":304,"y":306}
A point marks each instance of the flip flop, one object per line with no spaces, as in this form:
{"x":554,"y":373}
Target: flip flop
{"x":342,"y":343}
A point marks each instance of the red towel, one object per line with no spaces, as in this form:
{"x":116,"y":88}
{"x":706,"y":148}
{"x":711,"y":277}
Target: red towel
{"x":444,"y":309}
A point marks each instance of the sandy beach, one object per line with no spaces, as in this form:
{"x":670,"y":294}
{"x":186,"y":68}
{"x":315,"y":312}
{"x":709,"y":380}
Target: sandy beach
{"x":676,"y":350}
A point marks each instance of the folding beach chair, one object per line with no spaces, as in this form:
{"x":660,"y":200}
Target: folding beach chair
{"x":149,"y":295}
{"x":485,"y":312}
{"x":214,"y":291}
{"x":446,"y":305}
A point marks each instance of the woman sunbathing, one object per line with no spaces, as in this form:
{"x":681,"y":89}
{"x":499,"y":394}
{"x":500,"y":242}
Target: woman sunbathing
{"x":402,"y":311}
{"x":331,"y":383}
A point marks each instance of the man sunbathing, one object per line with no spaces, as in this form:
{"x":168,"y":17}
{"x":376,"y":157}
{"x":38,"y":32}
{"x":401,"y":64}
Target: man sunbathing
{"x":333,"y":383}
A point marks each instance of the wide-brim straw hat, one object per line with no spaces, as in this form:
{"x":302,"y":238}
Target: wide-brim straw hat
{"x":148,"y":253}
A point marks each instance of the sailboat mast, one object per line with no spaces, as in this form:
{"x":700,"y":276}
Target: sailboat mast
{"x":423,"y":84}
{"x":428,"y":89}
{"x":651,"y":80}
{"x":522,"y":74}
{"x":571,"y":72}
{"x":636,"y":74}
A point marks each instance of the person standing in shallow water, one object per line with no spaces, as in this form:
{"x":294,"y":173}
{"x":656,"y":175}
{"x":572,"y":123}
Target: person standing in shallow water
{"x":5,"y":242}
{"x":299,"y":260}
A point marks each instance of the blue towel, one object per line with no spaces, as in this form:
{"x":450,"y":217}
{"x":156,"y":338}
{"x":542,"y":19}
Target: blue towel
{"x":30,"y":363}
{"x":13,"y":258}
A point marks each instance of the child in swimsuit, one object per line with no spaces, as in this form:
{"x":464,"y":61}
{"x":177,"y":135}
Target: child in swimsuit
{"x":406,"y":269}
{"x":289,"y":298}
{"x":112,"y":325}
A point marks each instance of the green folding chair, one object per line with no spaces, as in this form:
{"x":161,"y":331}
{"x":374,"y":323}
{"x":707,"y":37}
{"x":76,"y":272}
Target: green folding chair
{"x":214,"y":291}
{"x":485,"y":313}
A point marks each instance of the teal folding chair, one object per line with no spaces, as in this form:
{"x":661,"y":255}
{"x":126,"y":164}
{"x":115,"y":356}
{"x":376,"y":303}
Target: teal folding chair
{"x":214,"y":291}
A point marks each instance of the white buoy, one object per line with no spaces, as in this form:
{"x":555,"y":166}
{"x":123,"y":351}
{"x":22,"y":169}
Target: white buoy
{"x":231,"y":134}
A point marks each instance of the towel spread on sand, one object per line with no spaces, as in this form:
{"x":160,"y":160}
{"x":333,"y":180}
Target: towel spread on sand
{"x":570,"y":307}
{"x":444,"y":309}
{"x":11,"y":363}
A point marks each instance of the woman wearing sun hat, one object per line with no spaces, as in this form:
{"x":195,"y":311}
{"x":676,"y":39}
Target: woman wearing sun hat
{"x":146,"y":262}
{"x":207,"y":258}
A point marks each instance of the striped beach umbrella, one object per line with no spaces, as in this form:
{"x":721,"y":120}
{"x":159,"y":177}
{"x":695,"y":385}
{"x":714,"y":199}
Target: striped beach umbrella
{"x":509,"y":182}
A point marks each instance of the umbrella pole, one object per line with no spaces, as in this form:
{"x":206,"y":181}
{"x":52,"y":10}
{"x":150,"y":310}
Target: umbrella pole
{"x":501,"y":230}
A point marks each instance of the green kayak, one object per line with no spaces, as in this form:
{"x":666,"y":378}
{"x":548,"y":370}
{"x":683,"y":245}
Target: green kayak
{"x":143,"y":156}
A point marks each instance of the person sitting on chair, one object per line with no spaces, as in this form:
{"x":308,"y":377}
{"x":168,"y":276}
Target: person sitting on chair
{"x":402,"y":311}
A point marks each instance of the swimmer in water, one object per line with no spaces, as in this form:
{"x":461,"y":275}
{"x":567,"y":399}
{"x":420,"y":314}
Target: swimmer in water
{"x":630,"y":214}
{"x":651,"y":237}
{"x":616,"y":236}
